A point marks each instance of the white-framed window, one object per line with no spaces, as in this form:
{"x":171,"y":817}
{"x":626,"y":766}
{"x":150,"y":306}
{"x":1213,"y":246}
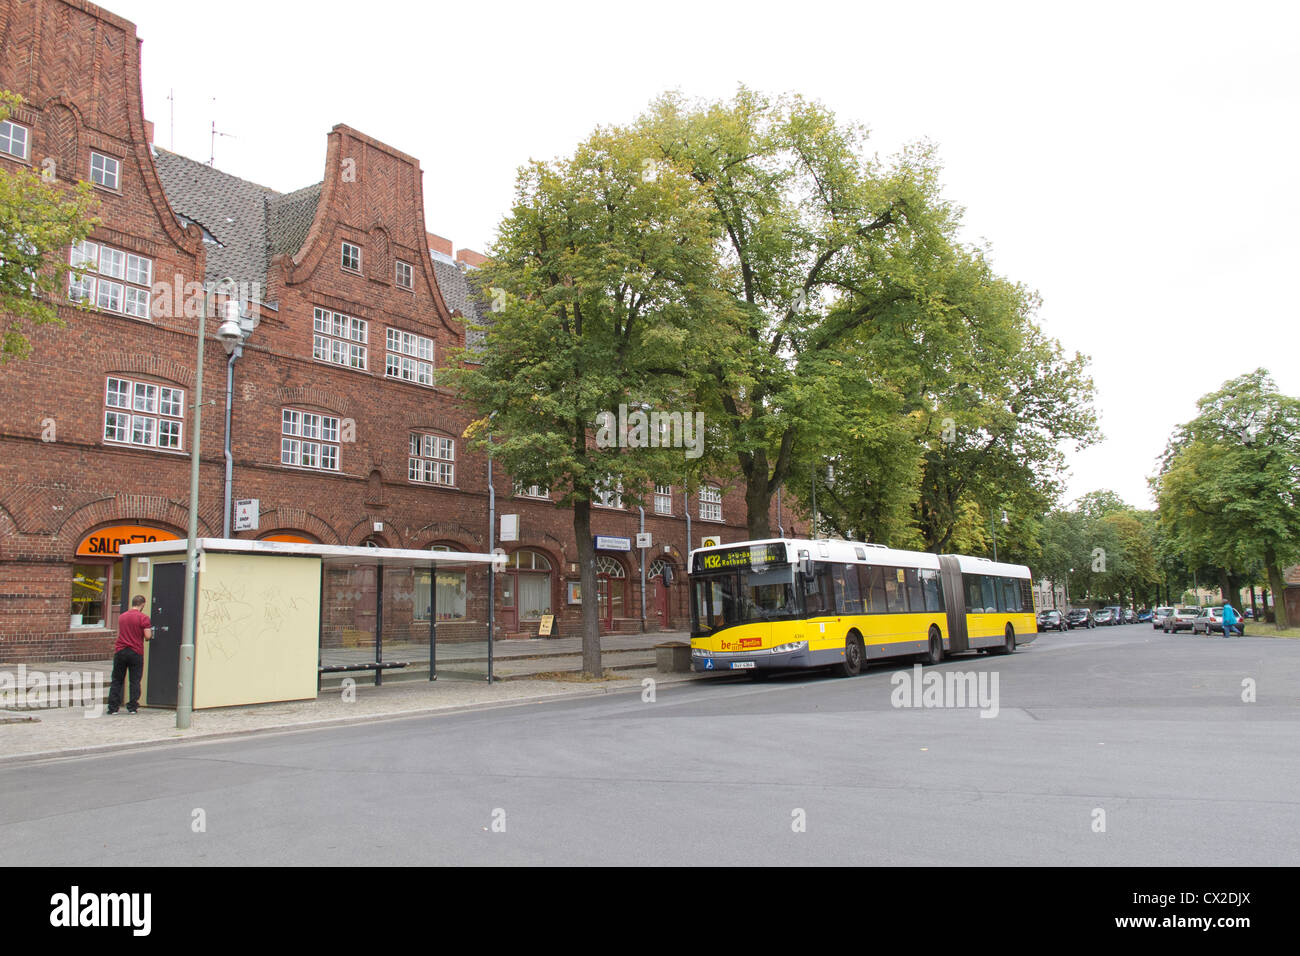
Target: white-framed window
{"x":710,"y":503}
{"x":143,"y":413}
{"x":608,"y":494}
{"x":405,"y":275}
{"x":340,"y":339}
{"x":409,"y":357}
{"x":663,"y":499}
{"x":14,"y":139}
{"x":351,"y":257}
{"x":532,"y":491}
{"x":105,"y":170}
{"x":432,"y":459}
{"x":115,"y":280}
{"x":309,"y":440}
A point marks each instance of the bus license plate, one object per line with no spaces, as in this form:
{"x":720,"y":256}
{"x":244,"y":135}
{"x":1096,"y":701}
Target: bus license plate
{"x":742,"y":665}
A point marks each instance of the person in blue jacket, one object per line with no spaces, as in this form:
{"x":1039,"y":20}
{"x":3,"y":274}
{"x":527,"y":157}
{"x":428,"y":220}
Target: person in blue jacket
{"x":1232,"y":621}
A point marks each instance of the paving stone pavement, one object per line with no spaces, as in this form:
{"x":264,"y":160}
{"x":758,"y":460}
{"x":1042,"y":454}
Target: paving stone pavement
{"x":68,"y":731}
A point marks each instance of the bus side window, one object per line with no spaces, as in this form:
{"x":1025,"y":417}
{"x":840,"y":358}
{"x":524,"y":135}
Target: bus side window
{"x":974,"y":593}
{"x":912,"y":581}
{"x":895,"y":597}
{"x":933,"y":592}
{"x":1010,"y":594}
{"x":847,"y":590}
{"x":871,"y":579}
{"x":818,"y":595}
{"x":989,"y":585}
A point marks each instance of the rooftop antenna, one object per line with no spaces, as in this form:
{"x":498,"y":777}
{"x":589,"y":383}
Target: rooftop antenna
{"x":212,"y":145}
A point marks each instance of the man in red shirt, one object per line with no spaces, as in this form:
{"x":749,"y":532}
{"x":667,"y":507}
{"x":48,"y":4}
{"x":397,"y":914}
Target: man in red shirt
{"x":133,"y":629}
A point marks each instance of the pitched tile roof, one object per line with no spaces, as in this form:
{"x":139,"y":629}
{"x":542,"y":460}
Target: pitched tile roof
{"x":231,"y":211}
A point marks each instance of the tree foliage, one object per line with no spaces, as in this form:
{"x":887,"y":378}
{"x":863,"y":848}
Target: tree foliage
{"x":39,"y":222}
{"x":597,"y":271}
{"x":1229,"y":481}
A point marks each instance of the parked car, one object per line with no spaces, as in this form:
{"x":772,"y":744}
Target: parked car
{"x":1104,"y":617}
{"x":1158,"y":619}
{"x":1116,"y":614}
{"x":1079,"y":617}
{"x":1051,"y":621}
{"x":1130,"y":616}
{"x":1250,"y":614}
{"x":1144,"y":615}
{"x":1182,"y":619}
{"x":1208,"y":621}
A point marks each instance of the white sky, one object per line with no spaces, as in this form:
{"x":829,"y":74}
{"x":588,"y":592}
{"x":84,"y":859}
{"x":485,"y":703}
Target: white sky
{"x":1135,"y":163}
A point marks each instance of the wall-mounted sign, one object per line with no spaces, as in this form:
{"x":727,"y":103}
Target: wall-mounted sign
{"x":247,"y":511}
{"x":710,"y":541}
{"x":644,"y":539}
{"x":605,"y":542}
{"x":106,"y":542}
{"x":575,"y":592}
{"x":510,"y":527}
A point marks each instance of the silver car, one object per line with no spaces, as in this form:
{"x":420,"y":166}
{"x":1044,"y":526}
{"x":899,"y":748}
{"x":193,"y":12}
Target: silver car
{"x":1183,"y":619}
{"x":1158,"y":618}
{"x":1208,"y":621}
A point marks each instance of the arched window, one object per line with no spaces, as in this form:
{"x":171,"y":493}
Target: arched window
{"x":609,"y":566}
{"x":657,"y":568}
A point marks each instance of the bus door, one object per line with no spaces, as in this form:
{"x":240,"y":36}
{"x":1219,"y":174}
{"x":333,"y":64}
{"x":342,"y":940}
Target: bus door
{"x":954,"y":600}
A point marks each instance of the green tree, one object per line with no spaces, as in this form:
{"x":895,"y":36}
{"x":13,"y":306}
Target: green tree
{"x":597,"y":272}
{"x":39,"y":222}
{"x":802,"y":220}
{"x":1229,"y":482}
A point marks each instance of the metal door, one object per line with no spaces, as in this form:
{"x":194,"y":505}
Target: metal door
{"x":166,"y":615}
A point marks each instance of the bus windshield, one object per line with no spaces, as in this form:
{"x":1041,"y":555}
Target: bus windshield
{"x":725,"y":600}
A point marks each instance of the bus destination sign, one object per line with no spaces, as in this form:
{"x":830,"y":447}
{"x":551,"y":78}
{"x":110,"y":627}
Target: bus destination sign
{"x":754,"y":556}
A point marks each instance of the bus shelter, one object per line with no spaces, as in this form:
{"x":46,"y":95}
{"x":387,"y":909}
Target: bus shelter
{"x":272,"y":617}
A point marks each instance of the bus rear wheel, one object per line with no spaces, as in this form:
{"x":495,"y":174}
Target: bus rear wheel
{"x":1009,"y":645}
{"x":935,"y":654}
{"x":854,"y":655}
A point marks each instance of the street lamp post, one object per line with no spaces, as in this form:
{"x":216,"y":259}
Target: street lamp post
{"x":185,"y":688}
{"x":232,"y":335}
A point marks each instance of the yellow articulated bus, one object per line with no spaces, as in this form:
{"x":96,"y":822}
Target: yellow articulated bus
{"x":790,"y":603}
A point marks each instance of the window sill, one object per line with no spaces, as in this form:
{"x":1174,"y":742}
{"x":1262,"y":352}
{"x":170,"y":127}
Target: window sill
{"x":129,"y":446}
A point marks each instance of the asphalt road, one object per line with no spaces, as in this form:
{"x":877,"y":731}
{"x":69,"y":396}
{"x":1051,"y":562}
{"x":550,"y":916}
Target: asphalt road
{"x":1124,"y":726}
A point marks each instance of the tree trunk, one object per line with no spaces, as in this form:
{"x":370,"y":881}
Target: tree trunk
{"x":1254,"y":608}
{"x":1278,"y":587}
{"x":587,"y":582}
{"x":758,"y":501}
{"x":1225,"y":587}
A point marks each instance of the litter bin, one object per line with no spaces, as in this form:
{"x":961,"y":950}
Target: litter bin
{"x":673,"y":657}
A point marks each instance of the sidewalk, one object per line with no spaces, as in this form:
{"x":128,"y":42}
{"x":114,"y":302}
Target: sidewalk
{"x":73,"y":731}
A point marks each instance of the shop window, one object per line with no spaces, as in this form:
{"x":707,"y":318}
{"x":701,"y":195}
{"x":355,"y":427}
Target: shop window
{"x":96,"y":594}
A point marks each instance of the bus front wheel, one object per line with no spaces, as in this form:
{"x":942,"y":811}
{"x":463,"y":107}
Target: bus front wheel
{"x":854,"y":655}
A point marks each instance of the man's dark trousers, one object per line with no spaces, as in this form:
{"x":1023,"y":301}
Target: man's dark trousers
{"x":126,"y":661}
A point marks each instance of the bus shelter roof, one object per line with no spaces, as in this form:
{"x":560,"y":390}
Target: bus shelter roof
{"x":330,"y":554}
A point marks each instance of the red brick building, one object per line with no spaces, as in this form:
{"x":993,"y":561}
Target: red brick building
{"x":340,"y":426}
